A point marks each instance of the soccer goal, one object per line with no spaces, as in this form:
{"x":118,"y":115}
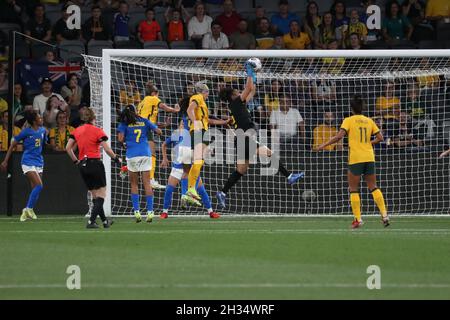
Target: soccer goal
{"x":305,"y":96}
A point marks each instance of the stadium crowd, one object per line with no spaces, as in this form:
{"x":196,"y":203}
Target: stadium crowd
{"x":215,"y":24}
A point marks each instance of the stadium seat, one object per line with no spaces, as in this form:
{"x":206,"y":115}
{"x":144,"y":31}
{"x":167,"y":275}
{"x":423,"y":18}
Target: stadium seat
{"x":128,"y":45}
{"x":71,"y":50}
{"x":429,"y":44}
{"x":156,"y":45}
{"x":7,"y":27}
{"x":22,"y":50}
{"x":443,"y":32}
{"x":374,"y":45}
{"x":269,"y":5}
{"x":243,"y":5}
{"x":54,"y":15}
{"x":403,"y":44}
{"x":38,"y":50}
{"x":182,"y":45}
{"x":136,"y":16}
{"x":446,"y":45}
{"x":85,"y":14}
{"x":95,"y":47}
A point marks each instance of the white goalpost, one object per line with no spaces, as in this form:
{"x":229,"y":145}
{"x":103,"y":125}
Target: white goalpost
{"x":304,"y":95}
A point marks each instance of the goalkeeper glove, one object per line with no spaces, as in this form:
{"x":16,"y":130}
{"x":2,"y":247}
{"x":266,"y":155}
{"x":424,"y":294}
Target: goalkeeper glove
{"x":250,"y":71}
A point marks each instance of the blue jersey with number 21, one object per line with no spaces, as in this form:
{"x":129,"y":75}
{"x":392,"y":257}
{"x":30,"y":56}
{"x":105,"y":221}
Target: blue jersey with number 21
{"x":136,"y":137}
{"x":33,"y":140}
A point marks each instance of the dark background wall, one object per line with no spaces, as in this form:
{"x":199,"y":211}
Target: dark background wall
{"x":412,"y":182}
{"x":63,"y":193}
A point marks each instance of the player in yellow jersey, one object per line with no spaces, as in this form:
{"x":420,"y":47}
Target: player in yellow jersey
{"x":148,"y":109}
{"x":199,"y":122}
{"x":361,"y":159}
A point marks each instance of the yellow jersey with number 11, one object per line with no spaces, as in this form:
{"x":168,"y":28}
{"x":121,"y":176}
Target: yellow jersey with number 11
{"x":359,"y":130}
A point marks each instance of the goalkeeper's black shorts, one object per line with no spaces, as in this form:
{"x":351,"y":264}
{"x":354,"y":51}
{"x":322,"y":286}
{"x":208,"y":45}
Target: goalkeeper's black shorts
{"x":93,"y":173}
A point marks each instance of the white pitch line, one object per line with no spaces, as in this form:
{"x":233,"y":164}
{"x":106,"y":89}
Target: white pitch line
{"x":228,"y":286}
{"x":243,"y":231}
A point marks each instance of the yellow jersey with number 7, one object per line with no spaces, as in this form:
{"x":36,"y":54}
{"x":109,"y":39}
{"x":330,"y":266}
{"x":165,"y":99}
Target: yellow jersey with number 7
{"x":360,"y":130}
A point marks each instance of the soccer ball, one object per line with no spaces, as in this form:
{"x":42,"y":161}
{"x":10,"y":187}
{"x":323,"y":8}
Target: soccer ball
{"x":309,"y":196}
{"x":255,"y":63}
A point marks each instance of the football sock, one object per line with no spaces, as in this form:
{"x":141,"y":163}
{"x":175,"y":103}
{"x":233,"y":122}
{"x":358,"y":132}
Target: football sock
{"x":184,"y":186}
{"x":379,"y":200}
{"x":34,"y":196}
{"x":232,"y":180}
{"x":97,"y":210}
{"x":194,"y":173}
{"x":168,"y":197}
{"x":355,"y":202}
{"x":152,"y":170}
{"x":149,"y":203}
{"x":281,"y":168}
{"x":205,"y":198}
{"x":135,"y":201}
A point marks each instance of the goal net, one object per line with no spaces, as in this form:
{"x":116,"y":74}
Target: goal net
{"x":304,"y":96}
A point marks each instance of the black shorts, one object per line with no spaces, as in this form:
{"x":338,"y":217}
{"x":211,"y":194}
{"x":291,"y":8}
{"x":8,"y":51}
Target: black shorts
{"x":362,"y":168}
{"x":193,"y":143}
{"x":93,"y":173}
{"x":250,"y":148}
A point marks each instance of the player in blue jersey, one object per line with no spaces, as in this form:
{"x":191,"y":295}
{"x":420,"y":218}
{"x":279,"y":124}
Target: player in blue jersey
{"x":133,"y":132}
{"x":180,"y":141}
{"x":33,"y":138}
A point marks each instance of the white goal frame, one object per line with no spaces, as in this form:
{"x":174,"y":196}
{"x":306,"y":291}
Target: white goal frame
{"x":108,"y":54}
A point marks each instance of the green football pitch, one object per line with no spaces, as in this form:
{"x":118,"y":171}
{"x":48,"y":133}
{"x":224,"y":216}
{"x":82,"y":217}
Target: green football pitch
{"x":229,"y":258}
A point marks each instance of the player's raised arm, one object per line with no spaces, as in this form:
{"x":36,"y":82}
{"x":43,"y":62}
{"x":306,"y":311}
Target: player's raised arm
{"x":340,"y":135}
{"x":444,"y":154}
{"x":166,"y":108}
{"x":251,"y":66}
{"x":378,"y":138}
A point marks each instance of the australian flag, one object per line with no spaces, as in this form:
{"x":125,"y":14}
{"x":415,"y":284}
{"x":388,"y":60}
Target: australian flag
{"x":31,"y":72}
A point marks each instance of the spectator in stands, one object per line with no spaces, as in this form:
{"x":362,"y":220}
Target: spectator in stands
{"x":281,"y":21}
{"x":40,"y":101}
{"x":3,"y":105}
{"x":325,"y":131}
{"x":159,"y":3}
{"x":288,"y":121}
{"x":72,"y":93}
{"x":54,"y":105}
{"x":4,"y":138}
{"x":323,"y":93}
{"x":438,"y":11}
{"x":405,"y":137}
{"x":3,"y":77}
{"x":106,"y":5}
{"x":229,"y":19}
{"x":326,"y":33}
{"x":296,"y":38}
{"x":312,"y":19}
{"x":232,"y":65}
{"x":364,"y":5}
{"x":129,"y":95}
{"x":272,"y":97}
{"x":253,"y":25}
{"x":427,"y":82}
{"x":61,"y":31}
{"x":176,"y":23}
{"x":339,"y":12}
{"x":414,"y":10}
{"x":39,"y":26}
{"x":95,"y":27}
{"x":59,"y":135}
{"x":395,"y":25}
{"x":242,"y":39}
{"x":215,"y":39}
{"x":149,"y":29}
{"x":355,"y":42}
{"x":278,"y":42}
{"x":414,"y":106}
{"x":388,"y":105}
{"x":121,"y":23}
{"x":49,"y":55}
{"x":264,"y":38}
{"x":79,"y":118}
{"x":10,"y":12}
{"x":199,"y":25}
{"x":355,"y":26}
{"x":20,"y":101}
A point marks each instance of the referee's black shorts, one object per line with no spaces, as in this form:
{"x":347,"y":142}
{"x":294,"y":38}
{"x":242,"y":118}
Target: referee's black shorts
{"x":93,"y":173}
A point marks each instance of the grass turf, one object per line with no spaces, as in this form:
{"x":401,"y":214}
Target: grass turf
{"x":230,"y":258}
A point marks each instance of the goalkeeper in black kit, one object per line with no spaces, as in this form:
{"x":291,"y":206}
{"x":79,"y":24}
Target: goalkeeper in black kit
{"x":237,"y":104}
